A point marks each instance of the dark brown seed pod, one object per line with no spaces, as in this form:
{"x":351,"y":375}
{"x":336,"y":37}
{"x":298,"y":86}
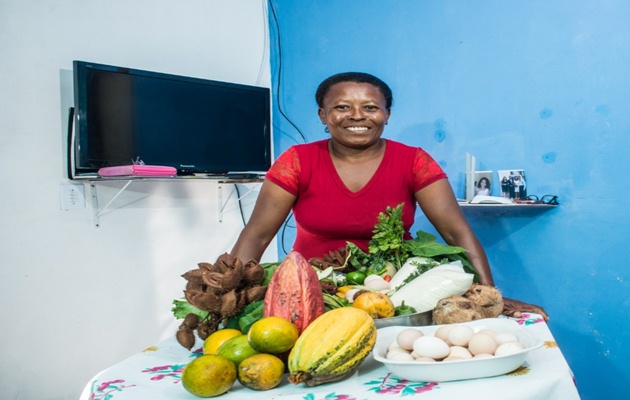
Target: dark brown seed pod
{"x":204,"y":301}
{"x":186,"y":338}
{"x":328,"y":286}
{"x":205,"y":329}
{"x":213,"y":280}
{"x":253,"y":273}
{"x":206,"y":266}
{"x":256,"y":293}
{"x":224,"y":262}
{"x":231,"y":279}
{"x":229,"y":304}
{"x":191,"y":321}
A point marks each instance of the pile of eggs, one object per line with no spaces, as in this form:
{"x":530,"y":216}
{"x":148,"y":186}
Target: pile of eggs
{"x":452,"y":343}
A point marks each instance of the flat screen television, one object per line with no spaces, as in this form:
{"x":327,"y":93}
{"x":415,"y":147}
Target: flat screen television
{"x":199,"y":126}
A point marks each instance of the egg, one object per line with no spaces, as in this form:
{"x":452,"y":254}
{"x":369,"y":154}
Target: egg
{"x":423,"y":359}
{"x":393,"y":345}
{"x":399,"y":356}
{"x":488,"y":332}
{"x":480,"y":343}
{"x":431,"y":346}
{"x":395,"y":350}
{"x":453,"y":358}
{"x":406,"y":337}
{"x":509,"y":348}
{"x":459,"y":352}
{"x":505,"y":337}
{"x":376,"y":282}
{"x":483,"y":355}
{"x":459,"y":335}
{"x":442,"y":332}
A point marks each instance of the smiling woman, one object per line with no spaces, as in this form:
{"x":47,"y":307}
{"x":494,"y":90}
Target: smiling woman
{"x":337,"y":187}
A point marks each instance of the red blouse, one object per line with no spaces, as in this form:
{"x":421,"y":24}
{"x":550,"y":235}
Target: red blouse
{"x":328,"y":214}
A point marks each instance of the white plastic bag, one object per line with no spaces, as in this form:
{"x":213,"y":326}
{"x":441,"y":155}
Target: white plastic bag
{"x":426,"y":290}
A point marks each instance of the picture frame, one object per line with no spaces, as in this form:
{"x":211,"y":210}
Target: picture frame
{"x":482,"y":183}
{"x":513,"y":184}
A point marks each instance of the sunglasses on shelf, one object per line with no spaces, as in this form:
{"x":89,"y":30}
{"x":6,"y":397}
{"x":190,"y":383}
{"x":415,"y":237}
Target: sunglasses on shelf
{"x":533,"y":199}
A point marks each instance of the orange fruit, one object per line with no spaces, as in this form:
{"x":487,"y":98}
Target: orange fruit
{"x":261,"y":372}
{"x":236,"y":349}
{"x":272,"y":335}
{"x":217,"y":338}
{"x":209,"y":375}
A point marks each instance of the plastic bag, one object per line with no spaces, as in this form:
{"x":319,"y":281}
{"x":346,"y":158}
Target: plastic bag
{"x":423,"y":292}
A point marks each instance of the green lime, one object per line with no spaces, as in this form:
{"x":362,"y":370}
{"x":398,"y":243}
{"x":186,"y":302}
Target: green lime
{"x":355,"y":277}
{"x":236,"y":349}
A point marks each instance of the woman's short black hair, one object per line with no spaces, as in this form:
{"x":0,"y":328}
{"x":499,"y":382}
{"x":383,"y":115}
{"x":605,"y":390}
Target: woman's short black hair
{"x":357,"y":77}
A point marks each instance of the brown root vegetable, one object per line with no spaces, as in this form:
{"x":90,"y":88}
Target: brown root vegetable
{"x":488,"y":298}
{"x":456,"y":309}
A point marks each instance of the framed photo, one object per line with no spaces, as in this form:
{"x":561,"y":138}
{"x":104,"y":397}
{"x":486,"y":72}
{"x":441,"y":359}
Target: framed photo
{"x":513,"y":184}
{"x":481,"y":184}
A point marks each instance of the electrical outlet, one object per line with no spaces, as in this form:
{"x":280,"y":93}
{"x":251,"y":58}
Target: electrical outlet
{"x":71,"y":196}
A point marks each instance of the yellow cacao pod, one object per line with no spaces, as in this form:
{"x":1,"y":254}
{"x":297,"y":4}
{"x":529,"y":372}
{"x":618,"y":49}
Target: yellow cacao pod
{"x":332,"y":347}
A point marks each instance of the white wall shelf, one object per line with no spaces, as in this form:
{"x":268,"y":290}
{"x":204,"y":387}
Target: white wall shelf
{"x":97,"y":211}
{"x":500,"y":210}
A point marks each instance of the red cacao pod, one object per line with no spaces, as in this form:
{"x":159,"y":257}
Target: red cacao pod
{"x":294,"y":292}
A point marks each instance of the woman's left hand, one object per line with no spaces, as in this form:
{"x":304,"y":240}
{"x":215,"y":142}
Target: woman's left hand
{"x":513,"y":308}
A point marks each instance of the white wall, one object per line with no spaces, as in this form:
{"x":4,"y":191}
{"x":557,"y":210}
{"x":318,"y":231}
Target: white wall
{"x":75,"y":298}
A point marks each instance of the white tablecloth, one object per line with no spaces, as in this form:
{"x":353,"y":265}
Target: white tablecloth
{"x":155,"y":374}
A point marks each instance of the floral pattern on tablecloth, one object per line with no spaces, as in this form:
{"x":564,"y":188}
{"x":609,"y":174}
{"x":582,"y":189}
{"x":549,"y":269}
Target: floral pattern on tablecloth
{"x":391,"y":384}
{"x":527,"y":319}
{"x":166,"y":371}
{"x":106,"y":390}
{"x":385,"y":385}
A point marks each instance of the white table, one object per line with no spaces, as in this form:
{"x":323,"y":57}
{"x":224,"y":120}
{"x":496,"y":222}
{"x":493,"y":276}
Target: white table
{"x":155,"y":374}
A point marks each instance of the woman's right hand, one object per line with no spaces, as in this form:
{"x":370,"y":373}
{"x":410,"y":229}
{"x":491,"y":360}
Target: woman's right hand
{"x":513,"y":308}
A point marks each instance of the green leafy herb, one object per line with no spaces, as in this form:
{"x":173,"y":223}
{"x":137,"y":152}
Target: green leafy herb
{"x":388,"y":247}
{"x":388,"y":243}
{"x":244,"y":320}
{"x":181,"y":308}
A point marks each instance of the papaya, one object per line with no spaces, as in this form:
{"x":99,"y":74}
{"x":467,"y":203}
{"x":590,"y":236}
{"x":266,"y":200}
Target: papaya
{"x":378,"y":305}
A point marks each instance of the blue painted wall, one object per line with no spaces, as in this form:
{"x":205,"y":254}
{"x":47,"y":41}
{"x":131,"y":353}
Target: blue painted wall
{"x":542,"y":86}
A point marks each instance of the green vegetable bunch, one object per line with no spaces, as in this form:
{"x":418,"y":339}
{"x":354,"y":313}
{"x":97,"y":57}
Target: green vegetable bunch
{"x":389,"y":249}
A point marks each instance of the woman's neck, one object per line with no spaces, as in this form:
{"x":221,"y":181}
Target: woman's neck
{"x":352,"y":154}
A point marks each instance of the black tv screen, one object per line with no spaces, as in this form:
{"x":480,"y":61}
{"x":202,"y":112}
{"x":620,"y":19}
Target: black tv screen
{"x":198,"y":126}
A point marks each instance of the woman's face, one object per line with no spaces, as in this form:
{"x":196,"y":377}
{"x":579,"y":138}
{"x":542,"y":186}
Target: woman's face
{"x":355,"y":114}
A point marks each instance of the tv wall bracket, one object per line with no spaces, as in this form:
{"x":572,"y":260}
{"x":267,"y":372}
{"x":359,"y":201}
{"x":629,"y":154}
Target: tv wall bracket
{"x":96,"y":211}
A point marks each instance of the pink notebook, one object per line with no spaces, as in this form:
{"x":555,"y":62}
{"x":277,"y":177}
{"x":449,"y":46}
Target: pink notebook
{"x":138,"y":170}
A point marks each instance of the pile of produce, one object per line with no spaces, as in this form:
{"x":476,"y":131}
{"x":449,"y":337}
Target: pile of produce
{"x":315,"y":318}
